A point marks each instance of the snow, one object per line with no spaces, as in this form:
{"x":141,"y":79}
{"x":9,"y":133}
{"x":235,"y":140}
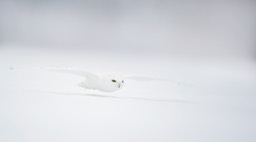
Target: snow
{"x":209,"y":46}
{"x":38,"y":105}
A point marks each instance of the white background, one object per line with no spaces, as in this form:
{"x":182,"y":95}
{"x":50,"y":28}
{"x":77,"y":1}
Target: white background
{"x":207,"y":45}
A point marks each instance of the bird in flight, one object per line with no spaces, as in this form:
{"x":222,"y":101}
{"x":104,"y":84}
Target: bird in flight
{"x":106,"y":82}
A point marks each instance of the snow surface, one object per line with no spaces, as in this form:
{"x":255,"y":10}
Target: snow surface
{"x":37,"y":105}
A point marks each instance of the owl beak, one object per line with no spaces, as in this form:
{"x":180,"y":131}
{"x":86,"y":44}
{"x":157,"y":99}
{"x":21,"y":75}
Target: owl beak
{"x":119,"y":85}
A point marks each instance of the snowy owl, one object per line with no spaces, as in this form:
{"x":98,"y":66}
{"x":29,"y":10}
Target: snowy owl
{"x":108,"y":82}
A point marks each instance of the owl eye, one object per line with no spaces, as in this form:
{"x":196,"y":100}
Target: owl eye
{"x":113,"y":80}
{"x":122,"y":81}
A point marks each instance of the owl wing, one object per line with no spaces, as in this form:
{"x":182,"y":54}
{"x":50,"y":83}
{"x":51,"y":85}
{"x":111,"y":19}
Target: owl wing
{"x":146,"y":79}
{"x":143,"y":78}
{"x":81,"y":73}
